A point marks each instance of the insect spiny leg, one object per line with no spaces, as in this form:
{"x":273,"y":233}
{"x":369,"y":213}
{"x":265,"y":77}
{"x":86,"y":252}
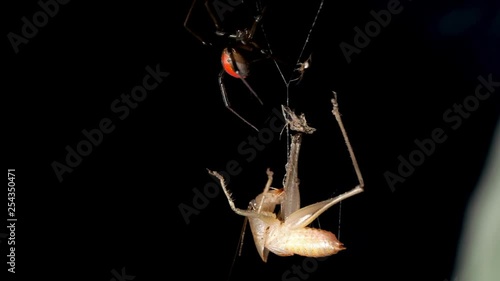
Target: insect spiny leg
{"x":336,"y":113}
{"x":245,"y":213}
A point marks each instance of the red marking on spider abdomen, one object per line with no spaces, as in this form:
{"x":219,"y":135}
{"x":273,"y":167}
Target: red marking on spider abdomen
{"x":228,"y":64}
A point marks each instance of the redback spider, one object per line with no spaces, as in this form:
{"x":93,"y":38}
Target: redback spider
{"x":238,"y":55}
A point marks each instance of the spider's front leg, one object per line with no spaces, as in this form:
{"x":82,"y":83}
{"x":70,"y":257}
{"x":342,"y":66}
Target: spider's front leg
{"x":255,"y":24}
{"x":186,"y":24}
{"x":214,"y":18}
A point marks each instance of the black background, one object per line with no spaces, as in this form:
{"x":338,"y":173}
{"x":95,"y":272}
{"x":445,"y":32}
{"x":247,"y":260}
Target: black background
{"x":119,"y":208}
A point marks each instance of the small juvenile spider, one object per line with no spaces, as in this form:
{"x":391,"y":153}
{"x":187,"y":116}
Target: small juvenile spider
{"x":240,"y":52}
{"x":301,"y":69}
{"x":287,"y":233}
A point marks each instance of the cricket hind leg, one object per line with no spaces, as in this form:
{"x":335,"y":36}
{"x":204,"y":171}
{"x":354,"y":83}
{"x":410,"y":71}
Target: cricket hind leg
{"x":306,"y":215}
{"x":336,"y":113}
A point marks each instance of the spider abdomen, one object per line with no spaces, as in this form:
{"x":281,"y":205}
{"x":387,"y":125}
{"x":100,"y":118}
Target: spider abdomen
{"x":308,"y":242}
{"x":234,"y":63}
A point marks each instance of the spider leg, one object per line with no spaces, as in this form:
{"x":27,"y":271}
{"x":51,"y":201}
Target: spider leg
{"x":215,"y":20}
{"x":242,"y":75}
{"x":255,"y":24}
{"x":226,"y":99}
{"x":186,"y":26}
{"x":250,"y":88}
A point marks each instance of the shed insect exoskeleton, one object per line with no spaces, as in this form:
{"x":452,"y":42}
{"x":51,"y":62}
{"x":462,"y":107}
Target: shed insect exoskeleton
{"x":287,"y":233}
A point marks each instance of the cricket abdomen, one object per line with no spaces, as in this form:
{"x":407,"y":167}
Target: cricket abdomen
{"x":308,"y":242}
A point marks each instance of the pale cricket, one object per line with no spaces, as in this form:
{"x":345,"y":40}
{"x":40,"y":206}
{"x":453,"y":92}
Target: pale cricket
{"x":288,"y":233}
